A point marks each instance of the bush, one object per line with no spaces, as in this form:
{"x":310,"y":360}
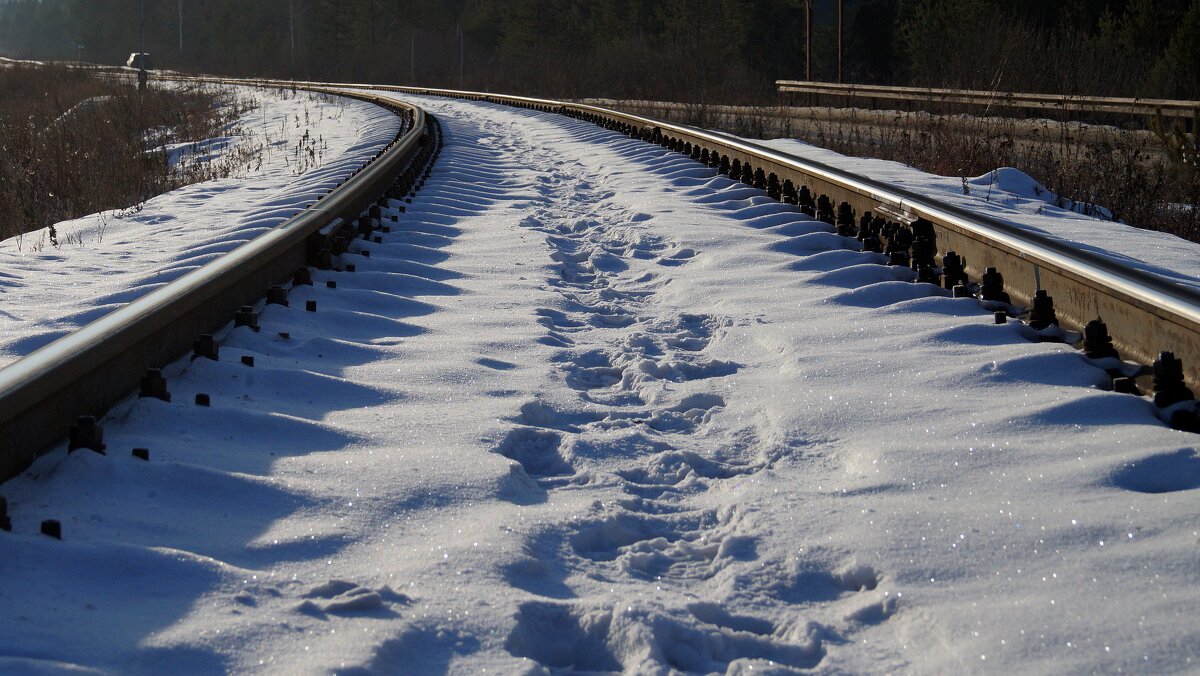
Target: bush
{"x":74,"y":143}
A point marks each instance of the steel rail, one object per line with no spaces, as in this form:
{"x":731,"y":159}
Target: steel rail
{"x":1147,"y":314}
{"x":1028,"y":101}
{"x":89,"y":370}
{"x":42,"y":393}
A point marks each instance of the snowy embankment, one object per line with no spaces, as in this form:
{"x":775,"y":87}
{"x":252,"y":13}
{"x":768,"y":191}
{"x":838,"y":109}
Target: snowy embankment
{"x":1015,"y":197}
{"x":590,"y":406}
{"x":282,"y":155}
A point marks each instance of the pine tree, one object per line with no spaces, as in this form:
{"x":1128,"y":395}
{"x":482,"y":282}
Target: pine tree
{"x":1182,"y":57}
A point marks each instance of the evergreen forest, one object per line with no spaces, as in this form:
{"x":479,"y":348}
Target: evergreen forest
{"x":718,"y":51}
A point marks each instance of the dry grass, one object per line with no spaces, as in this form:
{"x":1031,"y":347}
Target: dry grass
{"x":72,"y":143}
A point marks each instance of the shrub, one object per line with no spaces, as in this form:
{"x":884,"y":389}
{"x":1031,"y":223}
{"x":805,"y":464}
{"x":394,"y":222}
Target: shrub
{"x":73,"y":143}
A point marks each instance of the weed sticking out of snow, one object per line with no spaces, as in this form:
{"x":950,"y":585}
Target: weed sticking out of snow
{"x":77,"y":143}
{"x":253,"y":183}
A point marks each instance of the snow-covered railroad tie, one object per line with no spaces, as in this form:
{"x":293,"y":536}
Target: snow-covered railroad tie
{"x":1157,"y":318}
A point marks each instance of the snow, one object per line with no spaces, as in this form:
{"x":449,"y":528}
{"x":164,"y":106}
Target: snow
{"x":590,"y":406}
{"x":1017,"y":183}
{"x":281,"y":155}
{"x":1015,"y":197}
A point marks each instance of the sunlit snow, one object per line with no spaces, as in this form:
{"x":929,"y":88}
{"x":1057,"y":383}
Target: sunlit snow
{"x":590,"y":406}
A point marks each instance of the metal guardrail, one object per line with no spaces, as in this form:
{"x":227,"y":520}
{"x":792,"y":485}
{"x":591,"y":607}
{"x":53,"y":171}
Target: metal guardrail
{"x":86,"y":372}
{"x":1146,"y":314}
{"x":1041,"y":102}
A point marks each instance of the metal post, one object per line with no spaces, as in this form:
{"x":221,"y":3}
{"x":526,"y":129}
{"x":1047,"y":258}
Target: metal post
{"x":142,"y":45}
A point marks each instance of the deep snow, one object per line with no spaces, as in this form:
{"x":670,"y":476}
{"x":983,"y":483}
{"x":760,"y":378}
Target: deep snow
{"x":590,"y":406}
{"x":1015,"y":197}
{"x":283,"y":154}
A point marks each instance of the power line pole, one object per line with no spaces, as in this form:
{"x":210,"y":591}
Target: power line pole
{"x":292,"y":36}
{"x":142,"y":45}
{"x":808,"y":24}
{"x":371,"y":16}
{"x":839,"y":40}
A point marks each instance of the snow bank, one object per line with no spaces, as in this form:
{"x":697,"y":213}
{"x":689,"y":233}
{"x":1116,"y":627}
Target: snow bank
{"x":1017,"y":198}
{"x":285,"y":153}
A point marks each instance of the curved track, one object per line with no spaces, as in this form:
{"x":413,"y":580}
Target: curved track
{"x":589,"y":405}
{"x":85,"y":373}
{"x":82,"y":374}
{"x":1145,"y":313}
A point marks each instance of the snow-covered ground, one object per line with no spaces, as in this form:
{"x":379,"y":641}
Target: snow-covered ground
{"x":1017,"y":198}
{"x":283,"y":154}
{"x":591,"y":407}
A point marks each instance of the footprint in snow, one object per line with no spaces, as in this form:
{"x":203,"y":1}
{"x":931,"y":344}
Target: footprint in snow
{"x":634,"y":639}
{"x":537,"y":450}
{"x":339,"y":597}
{"x":678,"y":258}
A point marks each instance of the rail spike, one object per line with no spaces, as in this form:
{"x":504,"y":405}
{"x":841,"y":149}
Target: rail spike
{"x":806,"y":202}
{"x":825,"y":209}
{"x":1097,"y":344}
{"x":992,"y":287}
{"x":85,"y":433}
{"x":1041,"y":315}
{"x":845,"y":220}
{"x":1169,"y":388}
{"x":954,"y":270}
{"x":154,"y":385}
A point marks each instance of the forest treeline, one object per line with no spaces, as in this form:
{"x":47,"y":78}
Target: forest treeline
{"x":686,"y":50}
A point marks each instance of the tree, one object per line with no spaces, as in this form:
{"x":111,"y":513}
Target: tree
{"x":1182,"y":58}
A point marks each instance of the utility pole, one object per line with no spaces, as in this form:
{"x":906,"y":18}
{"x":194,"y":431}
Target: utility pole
{"x":292,"y":36}
{"x":839,"y":41}
{"x":458,"y":25}
{"x":142,"y":45}
{"x":181,"y":30}
{"x":808,"y":24}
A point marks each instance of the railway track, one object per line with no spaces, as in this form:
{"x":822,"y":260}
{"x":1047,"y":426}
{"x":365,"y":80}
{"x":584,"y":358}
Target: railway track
{"x":1115,"y":309}
{"x":630,"y":460}
{"x":1018,"y":273}
{"x":54,"y":393}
